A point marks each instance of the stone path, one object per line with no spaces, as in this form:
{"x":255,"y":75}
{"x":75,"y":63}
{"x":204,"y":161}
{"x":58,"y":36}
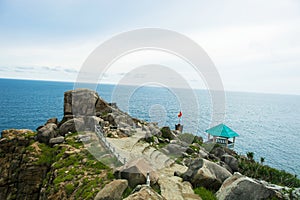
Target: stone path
{"x":172,"y":187}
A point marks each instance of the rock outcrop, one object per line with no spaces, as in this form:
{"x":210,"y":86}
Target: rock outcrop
{"x":145,"y":193}
{"x":241,"y":187}
{"x":113,"y":190}
{"x":136,"y":172}
{"x":47,"y":132}
{"x":21,"y":177}
{"x":53,"y":164}
{"x":202,"y":172}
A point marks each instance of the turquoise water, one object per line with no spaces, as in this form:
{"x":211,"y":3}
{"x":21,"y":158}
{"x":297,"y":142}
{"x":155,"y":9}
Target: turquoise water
{"x":268,"y":124}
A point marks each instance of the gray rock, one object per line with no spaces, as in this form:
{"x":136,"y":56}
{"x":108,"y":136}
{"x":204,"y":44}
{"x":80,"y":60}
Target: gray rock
{"x":167,"y":133}
{"x":47,"y":132}
{"x":154,"y":130}
{"x":205,"y":173}
{"x":111,"y":119}
{"x":242,"y":187}
{"x":173,"y":149}
{"x":231,"y":161}
{"x":90,"y":122}
{"x":136,"y":172}
{"x":113,"y":190}
{"x":203,"y":154}
{"x":145,"y":193}
{"x":57,"y":140}
{"x":72,"y":125}
{"x":52,"y":120}
{"x":80,"y":102}
{"x":218,"y":152}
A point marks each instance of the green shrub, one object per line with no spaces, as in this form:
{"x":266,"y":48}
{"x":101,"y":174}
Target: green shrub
{"x":204,"y":193}
{"x":127,"y":192}
{"x":279,"y":177}
{"x":69,"y":188}
{"x":47,"y":156}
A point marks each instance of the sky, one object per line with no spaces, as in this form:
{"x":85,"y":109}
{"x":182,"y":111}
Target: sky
{"x":255,"y":45}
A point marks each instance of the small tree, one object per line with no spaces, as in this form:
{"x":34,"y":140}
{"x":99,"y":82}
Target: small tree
{"x":262,"y":160}
{"x":250,"y":156}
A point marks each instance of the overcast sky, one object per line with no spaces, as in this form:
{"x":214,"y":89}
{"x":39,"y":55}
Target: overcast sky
{"x":254,"y":44}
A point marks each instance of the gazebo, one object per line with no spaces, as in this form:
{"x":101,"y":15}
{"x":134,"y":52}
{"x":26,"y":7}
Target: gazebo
{"x":221,"y":135}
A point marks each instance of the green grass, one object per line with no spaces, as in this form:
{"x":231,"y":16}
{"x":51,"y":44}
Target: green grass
{"x":279,"y":177}
{"x":127,"y":192}
{"x":69,"y":188}
{"x":205,"y":194}
{"x":47,"y":156}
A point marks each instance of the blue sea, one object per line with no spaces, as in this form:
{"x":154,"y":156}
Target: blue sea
{"x":268,"y":124}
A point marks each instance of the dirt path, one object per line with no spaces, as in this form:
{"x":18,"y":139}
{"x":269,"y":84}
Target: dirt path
{"x":172,"y":187}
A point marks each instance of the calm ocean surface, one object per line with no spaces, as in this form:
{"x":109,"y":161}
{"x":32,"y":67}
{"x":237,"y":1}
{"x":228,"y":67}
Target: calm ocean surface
{"x":268,"y":124}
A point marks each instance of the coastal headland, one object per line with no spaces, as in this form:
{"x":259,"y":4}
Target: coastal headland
{"x":97,"y":151}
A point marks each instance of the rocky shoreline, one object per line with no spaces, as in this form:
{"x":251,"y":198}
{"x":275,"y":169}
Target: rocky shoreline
{"x":67,"y":160}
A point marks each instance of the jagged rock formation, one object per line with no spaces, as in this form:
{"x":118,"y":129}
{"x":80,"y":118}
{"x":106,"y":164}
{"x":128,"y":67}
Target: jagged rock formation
{"x":21,"y":177}
{"x":205,"y":173}
{"x":145,"y":193}
{"x":113,"y":191}
{"x":241,"y":187}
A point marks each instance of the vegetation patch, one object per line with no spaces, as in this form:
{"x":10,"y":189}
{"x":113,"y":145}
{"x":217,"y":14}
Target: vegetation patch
{"x":251,"y":168}
{"x":205,"y":194}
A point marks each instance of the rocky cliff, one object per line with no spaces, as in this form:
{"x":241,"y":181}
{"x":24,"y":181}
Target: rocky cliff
{"x":55,"y":162}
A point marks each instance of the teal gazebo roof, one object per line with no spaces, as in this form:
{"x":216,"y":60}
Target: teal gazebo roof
{"x":222,"y":130}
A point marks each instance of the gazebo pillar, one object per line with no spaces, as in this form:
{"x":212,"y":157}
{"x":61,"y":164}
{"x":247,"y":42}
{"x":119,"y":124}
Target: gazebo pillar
{"x":226,"y":142}
{"x":208,"y":137}
{"x":233,"y":140}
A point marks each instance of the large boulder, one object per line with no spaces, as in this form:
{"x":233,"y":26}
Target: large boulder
{"x":52,"y":120}
{"x":145,"y":193}
{"x":173,"y":150}
{"x":136,"y":172}
{"x":57,"y":140}
{"x":172,"y":187}
{"x":47,"y":132}
{"x":242,"y":187}
{"x":167,"y":133}
{"x":112,"y":191}
{"x":80,"y":102}
{"x":231,"y":161}
{"x":202,"y":172}
{"x":72,"y":125}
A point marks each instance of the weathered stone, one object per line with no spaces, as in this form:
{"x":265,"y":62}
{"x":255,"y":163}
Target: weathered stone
{"x":80,"y":102}
{"x":57,"y":140}
{"x":172,"y":187}
{"x":241,"y":187}
{"x":145,"y":193}
{"x":52,"y":120}
{"x":47,"y":132}
{"x":102,"y":108}
{"x":113,"y":190}
{"x":20,"y":178}
{"x":173,"y":149}
{"x":136,"y":172}
{"x":167,"y":133}
{"x":72,"y":125}
{"x":205,"y":173}
{"x":231,"y":161}
{"x":218,"y":152}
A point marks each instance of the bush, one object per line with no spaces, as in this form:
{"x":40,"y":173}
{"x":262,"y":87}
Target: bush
{"x":204,"y":193}
{"x":69,"y":188}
